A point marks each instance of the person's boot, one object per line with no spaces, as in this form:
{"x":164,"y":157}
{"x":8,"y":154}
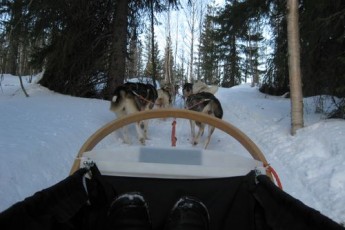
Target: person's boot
{"x":188,"y":214}
{"x":129,"y":212}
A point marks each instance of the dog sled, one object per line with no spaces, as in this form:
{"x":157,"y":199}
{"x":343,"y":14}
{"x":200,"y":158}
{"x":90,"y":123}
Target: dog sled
{"x":239,"y":192}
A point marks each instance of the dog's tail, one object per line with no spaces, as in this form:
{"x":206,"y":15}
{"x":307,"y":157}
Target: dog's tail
{"x":118,"y":99}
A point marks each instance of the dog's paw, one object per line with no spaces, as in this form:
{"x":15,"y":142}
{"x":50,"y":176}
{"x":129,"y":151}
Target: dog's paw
{"x":126,"y":141}
{"x":142,"y":141}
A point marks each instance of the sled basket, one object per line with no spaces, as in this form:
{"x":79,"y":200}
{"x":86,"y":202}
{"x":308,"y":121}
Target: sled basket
{"x":239,"y":192}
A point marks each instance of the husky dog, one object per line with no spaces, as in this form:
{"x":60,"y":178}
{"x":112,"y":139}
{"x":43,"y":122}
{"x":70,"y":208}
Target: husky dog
{"x":164,"y":99}
{"x":197,"y":87}
{"x":130,"y":98}
{"x":187,"y":90}
{"x":166,"y":95}
{"x":200,"y":86}
{"x":207,"y":103}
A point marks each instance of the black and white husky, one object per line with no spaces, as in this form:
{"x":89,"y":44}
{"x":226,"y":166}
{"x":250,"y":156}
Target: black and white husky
{"x":187,"y":90}
{"x":207,"y":103}
{"x":130,"y":98}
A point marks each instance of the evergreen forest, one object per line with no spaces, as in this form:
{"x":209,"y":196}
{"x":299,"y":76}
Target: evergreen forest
{"x":86,"y":48}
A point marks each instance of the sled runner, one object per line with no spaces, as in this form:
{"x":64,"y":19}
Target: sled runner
{"x":239,"y":192}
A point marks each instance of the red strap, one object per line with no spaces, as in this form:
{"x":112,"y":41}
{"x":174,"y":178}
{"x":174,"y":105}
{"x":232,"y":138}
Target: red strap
{"x":275,"y":175}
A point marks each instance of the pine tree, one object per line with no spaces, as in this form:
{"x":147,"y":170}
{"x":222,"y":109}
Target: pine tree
{"x":276,"y":80}
{"x":208,"y":50}
{"x":148,"y":71}
{"x":231,"y":27}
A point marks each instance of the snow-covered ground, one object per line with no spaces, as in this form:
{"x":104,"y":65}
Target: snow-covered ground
{"x":40,"y":136}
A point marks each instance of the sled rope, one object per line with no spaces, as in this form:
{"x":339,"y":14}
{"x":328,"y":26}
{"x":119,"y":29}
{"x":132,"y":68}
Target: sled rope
{"x":143,"y":98}
{"x":173,"y":133}
{"x":271,"y":170}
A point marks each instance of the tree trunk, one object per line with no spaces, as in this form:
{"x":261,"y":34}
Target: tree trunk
{"x":191,"y":14}
{"x":192,"y":25}
{"x":233,"y":70}
{"x":117,"y":65}
{"x":176,"y":46}
{"x":132,"y":67}
{"x":153,"y":46}
{"x":294,"y":67}
{"x":14,"y":42}
{"x":22,"y":85}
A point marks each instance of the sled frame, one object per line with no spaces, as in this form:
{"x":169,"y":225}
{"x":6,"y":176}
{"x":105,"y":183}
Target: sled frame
{"x":225,"y":126}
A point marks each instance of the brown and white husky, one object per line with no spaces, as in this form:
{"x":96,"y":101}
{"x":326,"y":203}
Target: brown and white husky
{"x":164,"y":99}
{"x":207,"y":103}
{"x":130,"y":98}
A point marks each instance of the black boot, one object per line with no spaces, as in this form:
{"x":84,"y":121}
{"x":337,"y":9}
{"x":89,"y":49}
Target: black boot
{"x":129,"y":212}
{"x":188,"y":214}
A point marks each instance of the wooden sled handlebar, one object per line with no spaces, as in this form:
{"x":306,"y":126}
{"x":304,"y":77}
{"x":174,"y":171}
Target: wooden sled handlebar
{"x":228,"y":128}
